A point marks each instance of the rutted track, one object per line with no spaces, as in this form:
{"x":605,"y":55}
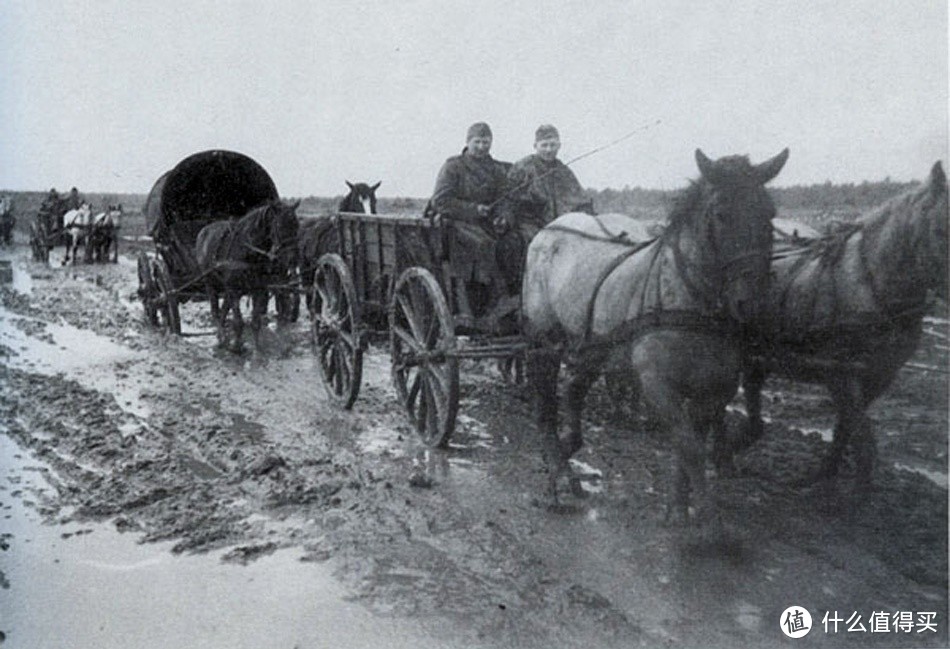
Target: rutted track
{"x":211,"y":451}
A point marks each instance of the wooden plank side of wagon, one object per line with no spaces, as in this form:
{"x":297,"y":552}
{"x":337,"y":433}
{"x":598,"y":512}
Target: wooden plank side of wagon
{"x":378,"y":247}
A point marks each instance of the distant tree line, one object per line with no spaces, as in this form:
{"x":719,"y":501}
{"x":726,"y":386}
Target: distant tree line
{"x":820,"y":201}
{"x":844,"y":198}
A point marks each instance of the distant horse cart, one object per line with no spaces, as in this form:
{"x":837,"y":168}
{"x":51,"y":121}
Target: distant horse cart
{"x":204,"y":188}
{"x":7,"y":221}
{"x":47,"y":230}
{"x":103,"y":242}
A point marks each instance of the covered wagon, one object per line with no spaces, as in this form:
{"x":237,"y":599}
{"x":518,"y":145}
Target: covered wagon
{"x":202,"y":188}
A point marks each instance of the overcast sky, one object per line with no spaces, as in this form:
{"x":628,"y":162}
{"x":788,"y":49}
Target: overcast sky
{"x":106,"y":95}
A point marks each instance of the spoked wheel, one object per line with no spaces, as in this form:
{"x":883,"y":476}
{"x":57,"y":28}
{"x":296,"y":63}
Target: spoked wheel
{"x":146,"y":291}
{"x":165,"y":300}
{"x":424,"y":370}
{"x":335,"y":330}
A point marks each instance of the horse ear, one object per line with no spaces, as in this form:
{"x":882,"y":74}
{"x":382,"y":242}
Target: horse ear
{"x":707,"y":168}
{"x":770,"y":168}
{"x":295,"y":204}
{"x":938,"y":179}
{"x":376,"y":186}
{"x":349,"y":184}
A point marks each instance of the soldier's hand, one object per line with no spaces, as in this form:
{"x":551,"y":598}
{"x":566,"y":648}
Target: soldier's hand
{"x":483,"y":210}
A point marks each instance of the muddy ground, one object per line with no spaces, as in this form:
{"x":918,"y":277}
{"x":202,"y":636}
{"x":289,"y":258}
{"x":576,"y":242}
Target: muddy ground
{"x":169,"y":439}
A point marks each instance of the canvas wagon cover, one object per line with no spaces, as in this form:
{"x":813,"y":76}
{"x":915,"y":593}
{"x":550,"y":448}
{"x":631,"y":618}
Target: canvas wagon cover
{"x":204,"y":186}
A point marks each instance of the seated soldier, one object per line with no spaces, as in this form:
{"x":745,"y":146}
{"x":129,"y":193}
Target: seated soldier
{"x":75,"y":200}
{"x":51,"y":211}
{"x":468,"y":186}
{"x":540,"y":189}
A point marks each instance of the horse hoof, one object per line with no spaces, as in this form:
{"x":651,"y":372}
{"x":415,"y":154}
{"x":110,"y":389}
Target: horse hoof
{"x":576,"y":488}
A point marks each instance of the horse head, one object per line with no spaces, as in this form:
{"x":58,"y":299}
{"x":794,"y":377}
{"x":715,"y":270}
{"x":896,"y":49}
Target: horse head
{"x":362,"y":198}
{"x":283,"y":225}
{"x":933,"y":202}
{"x":733,"y":231}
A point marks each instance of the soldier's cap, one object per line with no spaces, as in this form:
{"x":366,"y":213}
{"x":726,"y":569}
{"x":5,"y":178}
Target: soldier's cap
{"x":546,"y":132}
{"x":478,"y":129}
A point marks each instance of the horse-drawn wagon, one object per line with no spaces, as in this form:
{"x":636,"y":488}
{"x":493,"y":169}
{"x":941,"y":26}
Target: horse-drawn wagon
{"x":47,"y":229}
{"x":390,"y":277}
{"x":203,"y":188}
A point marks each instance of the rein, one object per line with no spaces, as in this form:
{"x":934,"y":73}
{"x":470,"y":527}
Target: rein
{"x":657,"y":317}
{"x":887,"y":314}
{"x":270,"y":256}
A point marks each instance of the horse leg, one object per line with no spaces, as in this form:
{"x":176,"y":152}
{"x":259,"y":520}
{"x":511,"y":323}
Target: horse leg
{"x":723,"y":449}
{"x":587,"y":371}
{"x":543,"y":368}
{"x":752,"y":384}
{"x":234,"y":305}
{"x":676,"y":413}
{"x":216,"y":315}
{"x":865,"y":446}
{"x":846,"y":394}
{"x":258,"y":310}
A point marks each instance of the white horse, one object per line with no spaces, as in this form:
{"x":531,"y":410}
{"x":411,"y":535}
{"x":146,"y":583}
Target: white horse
{"x":76,"y":225}
{"x":104,"y":234}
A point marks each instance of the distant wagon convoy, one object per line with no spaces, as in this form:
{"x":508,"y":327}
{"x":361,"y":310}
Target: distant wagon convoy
{"x":203,"y":188}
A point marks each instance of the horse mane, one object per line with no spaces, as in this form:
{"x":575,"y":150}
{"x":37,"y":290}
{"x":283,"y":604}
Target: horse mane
{"x":254,"y":217}
{"x":887,"y":219}
{"x":684,"y":204}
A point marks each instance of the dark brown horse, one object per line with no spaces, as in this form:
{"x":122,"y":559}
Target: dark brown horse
{"x":317,"y":236}
{"x":246,"y":256}
{"x":104,"y":234}
{"x":846,"y":311}
{"x":671,"y":312}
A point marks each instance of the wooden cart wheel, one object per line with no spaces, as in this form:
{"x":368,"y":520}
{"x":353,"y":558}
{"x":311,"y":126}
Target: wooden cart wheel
{"x":422,"y":339}
{"x":336,"y":331}
{"x":166,"y":301}
{"x":146,"y":290}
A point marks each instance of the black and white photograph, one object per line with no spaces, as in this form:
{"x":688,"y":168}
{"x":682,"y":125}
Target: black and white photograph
{"x":484,"y":325}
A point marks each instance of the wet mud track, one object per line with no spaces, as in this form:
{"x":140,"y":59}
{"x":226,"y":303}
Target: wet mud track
{"x":169,"y":439}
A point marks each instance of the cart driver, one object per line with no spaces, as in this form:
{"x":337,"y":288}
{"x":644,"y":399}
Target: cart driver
{"x":540,"y":189}
{"x":75,"y":200}
{"x":51,"y":210}
{"x":467,"y":187}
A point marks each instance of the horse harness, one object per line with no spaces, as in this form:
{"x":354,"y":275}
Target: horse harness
{"x":648,"y":319}
{"x":829,"y":251}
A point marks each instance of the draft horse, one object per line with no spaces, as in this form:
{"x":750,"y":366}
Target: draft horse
{"x":672,"y":312}
{"x":317,"y":236}
{"x":846,"y":311}
{"x":246,"y":256}
{"x":77,"y":224}
{"x":104,"y":234}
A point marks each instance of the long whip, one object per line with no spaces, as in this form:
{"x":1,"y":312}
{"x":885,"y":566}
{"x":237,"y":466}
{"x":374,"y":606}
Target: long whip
{"x":587,"y":154}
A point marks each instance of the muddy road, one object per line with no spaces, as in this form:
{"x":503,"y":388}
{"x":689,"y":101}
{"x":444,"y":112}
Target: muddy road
{"x":214,"y":457}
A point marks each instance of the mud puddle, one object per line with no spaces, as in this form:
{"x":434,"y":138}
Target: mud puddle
{"x":87,"y":585}
{"x":49,"y":349}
